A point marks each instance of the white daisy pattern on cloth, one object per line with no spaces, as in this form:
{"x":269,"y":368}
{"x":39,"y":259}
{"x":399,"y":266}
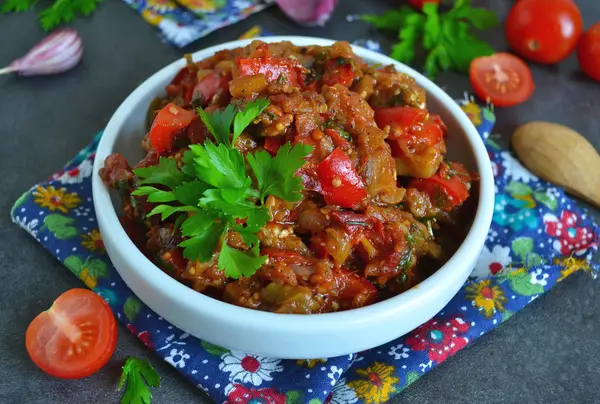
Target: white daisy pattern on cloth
{"x":514,"y":170}
{"x":342,"y":393}
{"x":491,"y":262}
{"x":77,"y":174}
{"x":334,"y":374}
{"x":178,"y":33}
{"x":539,"y":278}
{"x":242,"y":4}
{"x":249,"y":368}
{"x":399,"y":351}
{"x":30,"y":226}
{"x":177,"y":358}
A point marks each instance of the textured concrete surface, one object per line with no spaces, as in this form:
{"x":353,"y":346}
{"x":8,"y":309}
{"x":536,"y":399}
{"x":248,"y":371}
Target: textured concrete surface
{"x":548,"y":353}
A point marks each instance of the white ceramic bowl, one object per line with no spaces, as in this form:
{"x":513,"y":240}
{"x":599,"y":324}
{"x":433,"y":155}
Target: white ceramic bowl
{"x":283,"y":335}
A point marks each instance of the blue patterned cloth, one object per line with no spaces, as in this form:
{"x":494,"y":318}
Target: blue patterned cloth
{"x":182,"y":22}
{"x":538,"y":237}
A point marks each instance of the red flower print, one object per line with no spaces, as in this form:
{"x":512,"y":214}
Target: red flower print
{"x":440,"y":339}
{"x":570,"y":238}
{"x":242,"y":395}
{"x":144,"y":336}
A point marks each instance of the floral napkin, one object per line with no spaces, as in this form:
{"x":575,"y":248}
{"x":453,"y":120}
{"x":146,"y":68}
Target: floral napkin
{"x":538,"y":238}
{"x":183,"y":21}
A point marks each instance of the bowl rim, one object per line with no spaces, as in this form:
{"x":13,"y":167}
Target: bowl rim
{"x":246,"y":317}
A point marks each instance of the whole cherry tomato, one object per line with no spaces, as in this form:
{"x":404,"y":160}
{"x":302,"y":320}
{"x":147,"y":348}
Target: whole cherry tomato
{"x":588,"y":52}
{"x":544,"y":31}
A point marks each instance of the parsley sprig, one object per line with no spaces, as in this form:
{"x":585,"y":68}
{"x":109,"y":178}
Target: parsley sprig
{"x":137,"y":375}
{"x":60,"y":12}
{"x":447,"y":37}
{"x":215,"y":194}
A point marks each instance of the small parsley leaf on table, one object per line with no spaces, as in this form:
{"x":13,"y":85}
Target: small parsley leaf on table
{"x":390,"y":20}
{"x":17,"y":6}
{"x":137,"y":376}
{"x":447,"y":37}
{"x":64,"y":11}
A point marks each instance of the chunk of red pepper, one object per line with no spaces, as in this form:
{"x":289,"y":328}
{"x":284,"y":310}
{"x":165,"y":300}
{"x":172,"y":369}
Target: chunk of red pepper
{"x":168,"y":121}
{"x":340,"y":183}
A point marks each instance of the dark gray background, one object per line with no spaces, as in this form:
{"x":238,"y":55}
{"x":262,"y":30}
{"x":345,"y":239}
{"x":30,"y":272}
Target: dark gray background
{"x":548,"y":353}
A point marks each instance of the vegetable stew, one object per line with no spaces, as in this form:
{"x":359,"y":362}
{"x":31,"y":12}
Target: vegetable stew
{"x":294,"y":180}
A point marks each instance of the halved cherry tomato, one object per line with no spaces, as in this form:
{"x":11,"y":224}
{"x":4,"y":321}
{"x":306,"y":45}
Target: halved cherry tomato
{"x":448,"y":188}
{"x":168,"y":121}
{"x":355,"y":289}
{"x":544,"y":31}
{"x":272,"y":68}
{"x":209,"y":86}
{"x":340,"y":71}
{"x":418,"y":4}
{"x":502,"y":78}
{"x":588,"y":52}
{"x":340,"y":183}
{"x":272,"y":144}
{"x":75,"y":337}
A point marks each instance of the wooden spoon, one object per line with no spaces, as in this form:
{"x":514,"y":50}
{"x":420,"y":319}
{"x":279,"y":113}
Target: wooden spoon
{"x":561,"y":156}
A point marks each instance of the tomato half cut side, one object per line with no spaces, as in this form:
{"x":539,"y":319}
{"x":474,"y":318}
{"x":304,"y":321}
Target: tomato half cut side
{"x":502,"y":78}
{"x":75,"y":337}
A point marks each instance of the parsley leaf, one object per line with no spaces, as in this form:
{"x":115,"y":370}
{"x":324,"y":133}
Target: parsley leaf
{"x":16,"y":6}
{"x":239,"y":263}
{"x":219,"y":166}
{"x":447,"y":37}
{"x":189,"y":193}
{"x":63,"y":11}
{"x":219,"y":123}
{"x":233,"y":203}
{"x":138,"y":374}
{"x":216,"y":193}
{"x":202,"y":245}
{"x":390,"y":20}
{"x":165,"y":173}
{"x":404,"y":51}
{"x":165,"y":210}
{"x":277,"y":175}
{"x":245,"y":117}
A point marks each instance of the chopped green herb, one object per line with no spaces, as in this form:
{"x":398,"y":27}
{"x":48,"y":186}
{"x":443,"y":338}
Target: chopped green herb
{"x":60,"y":12}
{"x":345,"y":135}
{"x":447,"y":37}
{"x":138,"y":375}
{"x":213,"y":193}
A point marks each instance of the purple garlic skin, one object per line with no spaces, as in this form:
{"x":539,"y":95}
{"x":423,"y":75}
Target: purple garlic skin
{"x":308,"y":12}
{"x":57,"y":53}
